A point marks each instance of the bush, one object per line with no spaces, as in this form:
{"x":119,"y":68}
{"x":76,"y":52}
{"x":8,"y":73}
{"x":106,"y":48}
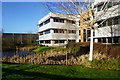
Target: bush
{"x":73,"y":47}
{"x":115,"y":52}
{"x":112,"y":51}
{"x":105,"y":64}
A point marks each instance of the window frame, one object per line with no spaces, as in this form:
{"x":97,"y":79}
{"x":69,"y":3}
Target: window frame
{"x":58,"y":20}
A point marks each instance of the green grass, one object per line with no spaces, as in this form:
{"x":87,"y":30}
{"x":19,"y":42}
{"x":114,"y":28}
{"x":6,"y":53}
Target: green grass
{"x":47,"y":49}
{"x":43,"y":48}
{"x":114,"y":64}
{"x":54,"y":72}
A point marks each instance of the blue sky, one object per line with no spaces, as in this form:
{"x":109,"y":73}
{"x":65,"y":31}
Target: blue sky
{"x":22,"y":17}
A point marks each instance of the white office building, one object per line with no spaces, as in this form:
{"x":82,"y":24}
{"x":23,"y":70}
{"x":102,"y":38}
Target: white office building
{"x":57,"y":29}
{"x":109,"y":30}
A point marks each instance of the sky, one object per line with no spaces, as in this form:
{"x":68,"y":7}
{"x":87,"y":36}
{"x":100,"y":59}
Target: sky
{"x":22,"y":17}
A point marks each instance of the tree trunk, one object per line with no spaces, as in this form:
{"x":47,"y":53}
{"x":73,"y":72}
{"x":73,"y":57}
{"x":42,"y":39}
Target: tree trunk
{"x":66,"y":57}
{"x":91,"y":46}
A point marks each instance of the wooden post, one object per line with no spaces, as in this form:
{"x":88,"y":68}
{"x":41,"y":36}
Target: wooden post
{"x":66,"y":57}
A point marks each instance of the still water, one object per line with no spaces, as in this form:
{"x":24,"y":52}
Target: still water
{"x":19,"y":53}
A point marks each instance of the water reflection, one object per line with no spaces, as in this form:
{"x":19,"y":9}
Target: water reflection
{"x":19,"y":53}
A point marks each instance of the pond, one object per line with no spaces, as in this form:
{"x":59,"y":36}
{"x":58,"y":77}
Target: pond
{"x":19,"y":53}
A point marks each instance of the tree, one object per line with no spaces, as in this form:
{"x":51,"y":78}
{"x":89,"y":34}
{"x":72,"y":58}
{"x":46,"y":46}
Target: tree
{"x":76,"y":9}
{"x":27,"y":38}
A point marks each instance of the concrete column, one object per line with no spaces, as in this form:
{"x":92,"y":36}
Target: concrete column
{"x":39,"y":42}
{"x":44,"y":42}
{"x":51,"y":19}
{"x":51,"y":31}
{"x":77,"y":22}
{"x":77,"y":40}
{"x":119,"y":40}
{"x":77,"y":35}
{"x":43,"y":33}
{"x":51,"y":42}
{"x":66,"y":42}
{"x":65,"y":21}
{"x":101,"y":40}
{"x":52,"y":36}
{"x":86,"y":35}
{"x":96,"y":40}
{"x":106,"y":40}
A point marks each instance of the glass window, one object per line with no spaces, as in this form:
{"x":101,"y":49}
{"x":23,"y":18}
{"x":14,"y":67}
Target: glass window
{"x":79,"y":40}
{"x":109,"y":40}
{"x":47,"y":32}
{"x":99,"y":39}
{"x":109,"y":22}
{"x":41,"y":25}
{"x":104,"y":23}
{"x":73,"y":22}
{"x":84,"y":30}
{"x":73,"y":31}
{"x":56,"y":41}
{"x":116,"y":20}
{"x":55,"y":20}
{"x":71,"y":40}
{"x":61,"y":30}
{"x":61,"y":41}
{"x":47,"y":21}
{"x":41,"y":41}
{"x":93,"y":33}
{"x":61,"y":20}
{"x":79,"y":32}
{"x":47,"y":41}
{"x":55,"y":31}
{"x":116,"y":40}
{"x":58,"y":20}
{"x":70,"y":31}
{"x":99,"y":23}
{"x":99,"y":8}
{"x":104,"y":6}
{"x":116,"y":3}
{"x":70,"y":21}
{"x":84,"y":37}
{"x":88,"y":33}
{"x":79,"y":22}
{"x":41,"y":33}
{"x":104,"y":40}
{"x":109,"y":4}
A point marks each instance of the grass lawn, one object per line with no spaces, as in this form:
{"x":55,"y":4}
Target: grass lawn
{"x":43,"y":48}
{"x":53,"y":72}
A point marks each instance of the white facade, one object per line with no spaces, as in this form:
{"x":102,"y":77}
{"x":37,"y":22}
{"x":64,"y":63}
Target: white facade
{"x":63,"y":28}
{"x":60,"y":28}
{"x":109,"y":31}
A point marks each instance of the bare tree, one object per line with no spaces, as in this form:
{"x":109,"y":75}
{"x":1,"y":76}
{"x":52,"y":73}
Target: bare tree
{"x":76,"y":8}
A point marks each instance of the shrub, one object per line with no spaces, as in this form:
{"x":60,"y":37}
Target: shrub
{"x":112,"y":51}
{"x":105,"y":64}
{"x":115,"y":52}
{"x":73,"y":47}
